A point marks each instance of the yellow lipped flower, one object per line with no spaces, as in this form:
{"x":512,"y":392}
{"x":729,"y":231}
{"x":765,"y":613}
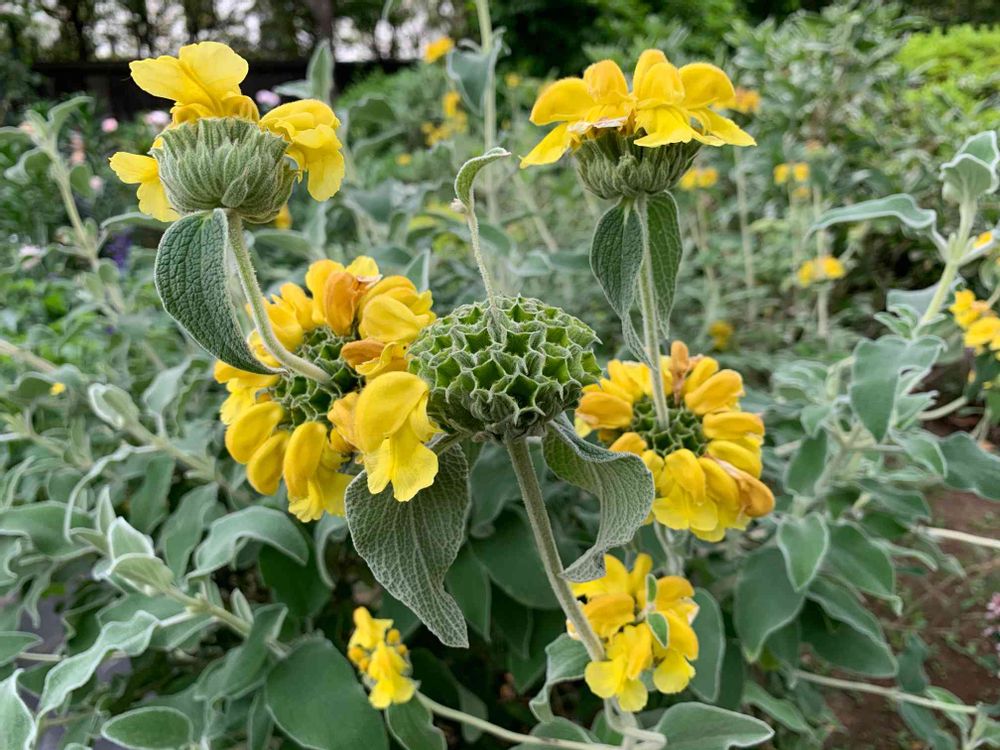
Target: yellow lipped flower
{"x":203,"y":81}
{"x":616,"y":606}
{"x":797,"y":171}
{"x":285,"y":429}
{"x":438,"y":49}
{"x":817,"y":270}
{"x":391,"y":428}
{"x":708,"y":478}
{"x":309,"y":126}
{"x":376,"y":649}
{"x":721,"y":332}
{"x":744,"y":101}
{"x":135,"y":169}
{"x":967,"y":309}
{"x":699,"y":177}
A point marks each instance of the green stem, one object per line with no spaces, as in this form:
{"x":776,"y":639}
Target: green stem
{"x":472,"y":221}
{"x":823,"y":311}
{"x":891,"y":693}
{"x":651,"y":319}
{"x":941,"y":293}
{"x":61,"y":176}
{"x":743,"y":212}
{"x":29,"y":358}
{"x":453,"y":714}
{"x":524,"y":192}
{"x":489,"y":103}
{"x":943,"y":411}
{"x":538,"y":518}
{"x":961,"y":536}
{"x":255,"y":296}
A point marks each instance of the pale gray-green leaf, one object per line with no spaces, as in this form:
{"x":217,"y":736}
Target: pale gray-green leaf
{"x":765,"y":599}
{"x":973,"y":171}
{"x":229,"y":534}
{"x":17,"y":725}
{"x":900,"y":206}
{"x":14,"y":643}
{"x":149,"y":728}
{"x":711,"y":632}
{"x":665,"y":253}
{"x":620,"y":481}
{"x":412,"y":726}
{"x":804,"y":543}
{"x":616,"y":261}
{"x":861,"y":561}
{"x":410,"y":546}
{"x":695,"y":726}
{"x":565,"y":659}
{"x":192,"y":282}
{"x":467,"y":174}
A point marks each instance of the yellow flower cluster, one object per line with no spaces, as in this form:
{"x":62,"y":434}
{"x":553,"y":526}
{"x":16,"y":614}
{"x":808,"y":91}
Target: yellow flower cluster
{"x":699,"y":177}
{"x":377,"y":650}
{"x":721,"y":332}
{"x":455,"y":120}
{"x":438,"y":49}
{"x":977,"y":319}
{"x":665,"y":106}
{"x":618,"y":608}
{"x":706,"y":462}
{"x":744,"y":101}
{"x":798,"y":172}
{"x":281,"y":429}
{"x":204,"y":81}
{"x":817,"y":270}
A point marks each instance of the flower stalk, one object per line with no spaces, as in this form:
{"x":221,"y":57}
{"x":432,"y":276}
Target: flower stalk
{"x":255,"y":297}
{"x":743,"y":214}
{"x":489,"y":102}
{"x":650,"y":318}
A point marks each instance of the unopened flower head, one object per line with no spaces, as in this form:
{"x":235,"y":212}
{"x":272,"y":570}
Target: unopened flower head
{"x":706,"y":462}
{"x":216,"y":132}
{"x":631,"y":611}
{"x":357,"y":326}
{"x":663,"y":119}
{"x":377,"y":650}
{"x":819,"y":270}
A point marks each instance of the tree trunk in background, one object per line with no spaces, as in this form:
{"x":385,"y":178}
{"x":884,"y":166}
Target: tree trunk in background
{"x":323,"y":13}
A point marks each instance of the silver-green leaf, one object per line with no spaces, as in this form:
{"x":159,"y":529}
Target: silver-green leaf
{"x":149,"y":728}
{"x":17,"y":725}
{"x":467,"y":174}
{"x":900,"y":206}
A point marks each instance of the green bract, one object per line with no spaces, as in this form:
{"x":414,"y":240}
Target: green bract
{"x":225,"y":163}
{"x":612,"y":166}
{"x":504,"y":375}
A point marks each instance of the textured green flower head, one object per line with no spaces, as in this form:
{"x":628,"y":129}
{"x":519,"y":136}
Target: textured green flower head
{"x":225,"y":163}
{"x":613,"y":166}
{"x":505,"y":373}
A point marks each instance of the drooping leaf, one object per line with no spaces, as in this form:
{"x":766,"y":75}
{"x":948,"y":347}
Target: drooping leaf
{"x":695,"y":726}
{"x":620,"y":481}
{"x":711,"y":632}
{"x":616,"y":261}
{"x":970,"y":467}
{"x":192,"y":282}
{"x":804,"y":543}
{"x":316,"y":700}
{"x":843,"y":646}
{"x":229,"y":534}
{"x":780,"y":709}
{"x":665,"y":253}
{"x":470,"y":69}
{"x":150,"y":728}
{"x":900,"y":206}
{"x":861,"y":561}
{"x":763,"y":579}
{"x":566,"y":659}
{"x":410,"y":546}
{"x":467,"y":174}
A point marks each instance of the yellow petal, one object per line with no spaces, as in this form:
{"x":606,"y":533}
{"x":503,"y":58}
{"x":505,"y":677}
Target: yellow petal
{"x":687,"y":472}
{"x":721,"y":391}
{"x":562,"y":101}
{"x":264,"y":467}
{"x":403,"y":460}
{"x":604,"y":410}
{"x":732,"y":425}
{"x":736,"y":455}
{"x":646,"y":61}
{"x":664,"y":125}
{"x":384,"y":407}
{"x":550,"y":148}
{"x":673,"y":673}
{"x":605,"y":82}
{"x":725,"y":129}
{"x":660,"y":84}
{"x":302,"y":457}
{"x":202,"y":73}
{"x":705,"y":84}
{"x":603,"y":678}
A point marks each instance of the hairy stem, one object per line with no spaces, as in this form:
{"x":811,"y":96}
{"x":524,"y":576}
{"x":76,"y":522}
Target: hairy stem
{"x":651,"y":319}
{"x":255,"y":296}
{"x":538,"y":517}
{"x":961,"y":536}
{"x":743,"y":213}
{"x":891,"y":693}
{"x":489,"y":104}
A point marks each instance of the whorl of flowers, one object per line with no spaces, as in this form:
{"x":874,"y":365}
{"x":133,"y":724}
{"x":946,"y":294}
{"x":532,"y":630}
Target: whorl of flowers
{"x":619,"y":608}
{"x":377,"y":650}
{"x":665,"y":105}
{"x":357,"y":326}
{"x":204,"y":81}
{"x":706,"y":463}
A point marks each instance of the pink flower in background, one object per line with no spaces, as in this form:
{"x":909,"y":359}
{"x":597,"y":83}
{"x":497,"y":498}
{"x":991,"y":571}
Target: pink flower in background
{"x":157,"y":119}
{"x":96,"y":184}
{"x":109,"y":125}
{"x":267,"y":98}
{"x":78,"y":153}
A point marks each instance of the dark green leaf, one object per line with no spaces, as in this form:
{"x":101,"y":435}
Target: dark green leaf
{"x":862,"y":562}
{"x":616,"y":261}
{"x":412,"y":726}
{"x":665,"y":252}
{"x":470,"y":585}
{"x":566,"y":660}
{"x":510,"y":558}
{"x":150,"y":728}
{"x":803,"y":542}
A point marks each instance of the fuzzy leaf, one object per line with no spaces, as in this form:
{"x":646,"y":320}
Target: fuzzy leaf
{"x":150,"y":728}
{"x":17,"y":725}
{"x":410,"y":546}
{"x":804,"y":543}
{"x":695,"y":726}
{"x":763,"y":578}
{"x":412,"y":726}
{"x":565,"y":659}
{"x":191,"y":279}
{"x":665,"y":253}
{"x":229,"y":534}
{"x":467,"y":174}
{"x":900,"y":206}
{"x":616,"y":261}
{"x":621,"y":482}
{"x":973,"y":171}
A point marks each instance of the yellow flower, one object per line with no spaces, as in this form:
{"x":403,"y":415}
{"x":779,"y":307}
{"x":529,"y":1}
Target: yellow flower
{"x":616,"y":606}
{"x":745,"y":101}
{"x":309,"y":126}
{"x":984,"y":334}
{"x":824,"y":268}
{"x":284,"y":218}
{"x":800,"y":172}
{"x":967,"y":309}
{"x":983,"y":240}
{"x":438,"y":49}
{"x":797,"y":171}
{"x":404,"y":160}
{"x":451,"y":103}
{"x":390,"y":429}
{"x":782,"y":173}
{"x":668,"y":100}
{"x":708,"y":478}
{"x":699,"y":177}
{"x":57,"y":389}
{"x":512,"y":80}
{"x":721,"y":332}
{"x":203,"y":81}
{"x":134,"y":169}
{"x":375,"y":648}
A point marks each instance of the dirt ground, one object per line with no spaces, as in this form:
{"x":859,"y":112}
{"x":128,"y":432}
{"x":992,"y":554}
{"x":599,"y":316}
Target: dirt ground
{"x":949,"y":614}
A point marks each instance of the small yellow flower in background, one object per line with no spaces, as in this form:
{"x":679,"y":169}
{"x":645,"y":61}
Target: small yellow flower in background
{"x":391,"y":427}
{"x":204,"y":82}
{"x":404,"y":160}
{"x":57,"y":389}
{"x":797,"y":171}
{"x":967,"y":309}
{"x":980,"y":323}
{"x":744,"y":101}
{"x":438,"y":49}
{"x":721,"y":332}
{"x":824,"y":268}
{"x":699,"y":177}
{"x":284,"y":218}
{"x":706,"y":466}
{"x":984,"y":240}
{"x":455,"y":120}
{"x":512,"y":80}
{"x":666,"y":106}
{"x":357,"y":325}
{"x":377,"y":650}
{"x":617,"y":607}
